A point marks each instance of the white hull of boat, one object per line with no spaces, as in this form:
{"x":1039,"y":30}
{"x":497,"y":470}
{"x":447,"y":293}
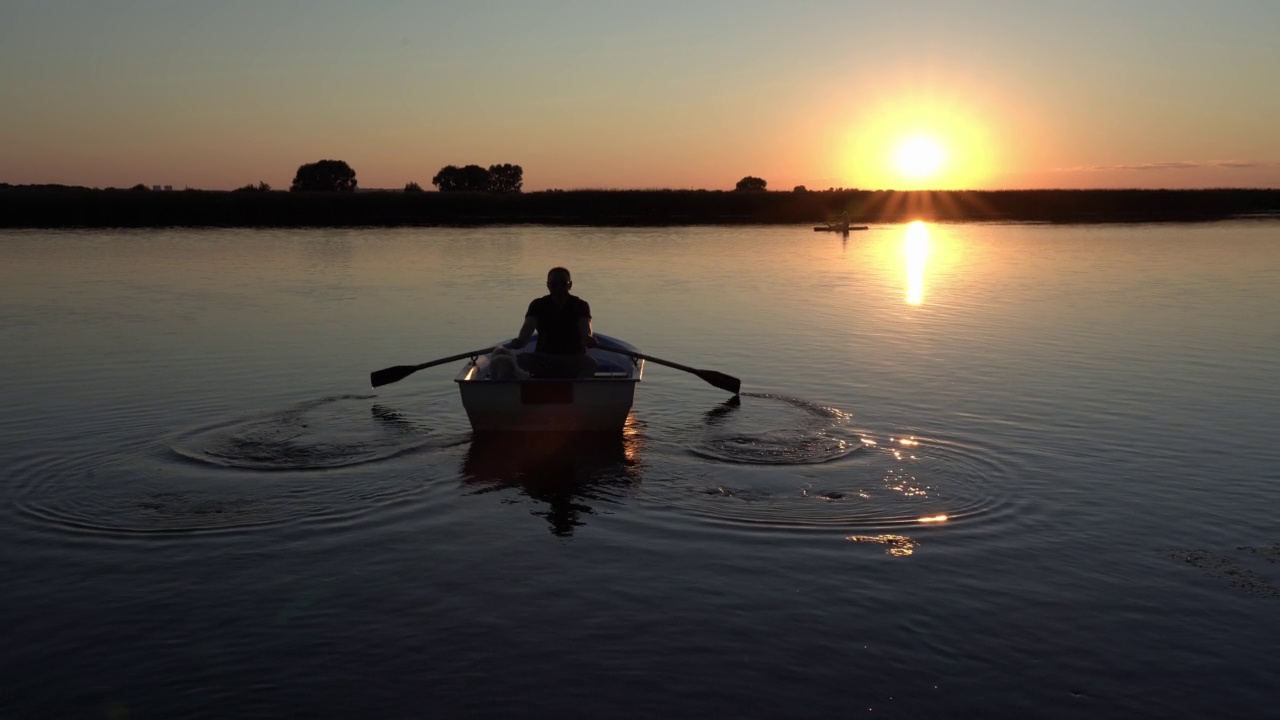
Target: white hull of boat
{"x":596,"y":404}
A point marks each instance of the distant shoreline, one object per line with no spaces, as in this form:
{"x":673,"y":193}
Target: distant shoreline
{"x":66,"y":207}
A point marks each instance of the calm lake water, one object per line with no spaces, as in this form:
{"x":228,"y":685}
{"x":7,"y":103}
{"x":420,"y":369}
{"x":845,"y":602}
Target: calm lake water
{"x":977,"y":471}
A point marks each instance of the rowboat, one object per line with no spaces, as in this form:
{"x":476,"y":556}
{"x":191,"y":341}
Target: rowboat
{"x":595,"y":404}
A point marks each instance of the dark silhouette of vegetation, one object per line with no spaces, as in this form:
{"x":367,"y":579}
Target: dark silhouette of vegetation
{"x":471,"y":178}
{"x":260,"y":187}
{"x":61,"y":206}
{"x":412,"y":187}
{"x":751,"y":183}
{"x":324,"y":176}
{"x":799,"y":189}
{"x":505,"y":178}
{"x":140,"y":188}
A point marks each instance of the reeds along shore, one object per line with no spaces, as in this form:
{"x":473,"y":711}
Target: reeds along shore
{"x":56,"y":206}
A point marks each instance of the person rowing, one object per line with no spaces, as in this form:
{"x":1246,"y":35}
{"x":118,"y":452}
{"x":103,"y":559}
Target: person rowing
{"x":563,"y":324}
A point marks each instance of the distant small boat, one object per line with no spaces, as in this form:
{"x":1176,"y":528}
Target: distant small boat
{"x":838,"y":227}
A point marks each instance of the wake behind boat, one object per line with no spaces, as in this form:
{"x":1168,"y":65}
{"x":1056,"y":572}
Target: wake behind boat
{"x":596,"y":404}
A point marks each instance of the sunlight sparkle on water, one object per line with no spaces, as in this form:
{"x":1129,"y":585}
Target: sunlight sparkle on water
{"x":933,"y":519}
{"x":896,"y":545}
{"x":916,"y":249}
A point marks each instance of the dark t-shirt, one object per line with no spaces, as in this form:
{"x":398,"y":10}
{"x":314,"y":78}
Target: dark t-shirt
{"x":558,"y":331}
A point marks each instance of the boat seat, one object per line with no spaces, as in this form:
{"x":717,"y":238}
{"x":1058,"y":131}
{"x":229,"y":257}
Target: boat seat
{"x":611,"y":374}
{"x":609,"y":368}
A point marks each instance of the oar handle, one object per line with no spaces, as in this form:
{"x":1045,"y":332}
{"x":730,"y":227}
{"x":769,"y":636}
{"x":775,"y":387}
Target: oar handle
{"x":453,"y":358}
{"x":649,"y":358}
{"x":386,"y":376}
{"x":728,"y":383}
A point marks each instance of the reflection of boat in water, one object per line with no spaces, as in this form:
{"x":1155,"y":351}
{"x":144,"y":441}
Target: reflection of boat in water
{"x":838,"y":227}
{"x":598,"y":403}
{"x":569,"y":472}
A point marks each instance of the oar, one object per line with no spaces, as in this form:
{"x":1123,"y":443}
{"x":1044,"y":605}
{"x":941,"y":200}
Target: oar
{"x":389,"y":375}
{"x":727,"y":383}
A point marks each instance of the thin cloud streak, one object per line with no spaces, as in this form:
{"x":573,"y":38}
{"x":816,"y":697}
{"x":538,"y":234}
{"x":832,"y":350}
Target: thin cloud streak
{"x":1179,"y":165}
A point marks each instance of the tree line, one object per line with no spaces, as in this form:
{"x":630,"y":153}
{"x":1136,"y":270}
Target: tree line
{"x":63,"y":206}
{"x":338,"y":176}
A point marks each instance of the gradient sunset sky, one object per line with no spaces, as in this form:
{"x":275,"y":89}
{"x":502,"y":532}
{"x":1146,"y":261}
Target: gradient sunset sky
{"x":655,"y":94}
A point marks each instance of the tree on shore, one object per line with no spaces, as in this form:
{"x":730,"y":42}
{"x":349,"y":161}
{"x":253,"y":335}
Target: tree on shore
{"x":750,"y":183}
{"x":260,"y":187}
{"x":505,"y":178}
{"x":324,"y":176}
{"x":471,"y":178}
{"x":412,"y":187}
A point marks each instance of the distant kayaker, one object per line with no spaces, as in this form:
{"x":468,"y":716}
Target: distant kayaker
{"x":563,"y":323}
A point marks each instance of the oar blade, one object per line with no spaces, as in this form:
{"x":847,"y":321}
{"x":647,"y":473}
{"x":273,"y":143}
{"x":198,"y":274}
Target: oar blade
{"x":727,"y":383}
{"x":386,"y":376}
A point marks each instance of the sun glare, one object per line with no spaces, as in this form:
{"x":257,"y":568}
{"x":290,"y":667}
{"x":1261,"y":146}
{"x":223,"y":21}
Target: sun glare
{"x":920,"y":141}
{"x":919,"y":158}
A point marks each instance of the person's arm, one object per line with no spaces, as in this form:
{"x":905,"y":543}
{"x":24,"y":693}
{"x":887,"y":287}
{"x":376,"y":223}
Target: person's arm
{"x":526,"y":332}
{"x":588,"y":337}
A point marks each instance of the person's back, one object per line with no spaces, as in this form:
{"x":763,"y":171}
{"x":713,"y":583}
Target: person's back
{"x":563,"y":324}
{"x":558,"y":324}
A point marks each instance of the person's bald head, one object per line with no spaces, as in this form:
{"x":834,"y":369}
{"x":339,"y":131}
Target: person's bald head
{"x":559,"y":281}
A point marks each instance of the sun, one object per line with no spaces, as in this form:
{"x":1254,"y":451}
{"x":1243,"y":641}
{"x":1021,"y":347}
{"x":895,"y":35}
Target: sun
{"x":926,"y":138}
{"x":919,"y":158}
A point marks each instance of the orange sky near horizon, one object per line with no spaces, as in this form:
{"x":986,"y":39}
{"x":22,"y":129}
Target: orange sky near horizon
{"x":820,"y":93}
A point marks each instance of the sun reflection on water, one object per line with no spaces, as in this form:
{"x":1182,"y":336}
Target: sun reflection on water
{"x":895,"y":545}
{"x":632,"y":438}
{"x":916,"y":249}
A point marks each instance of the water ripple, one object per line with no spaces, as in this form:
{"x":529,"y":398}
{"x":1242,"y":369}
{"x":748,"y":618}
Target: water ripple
{"x":785,"y":477}
{"x":141,"y":490}
{"x":324,"y":433}
{"x":796,"y":432}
